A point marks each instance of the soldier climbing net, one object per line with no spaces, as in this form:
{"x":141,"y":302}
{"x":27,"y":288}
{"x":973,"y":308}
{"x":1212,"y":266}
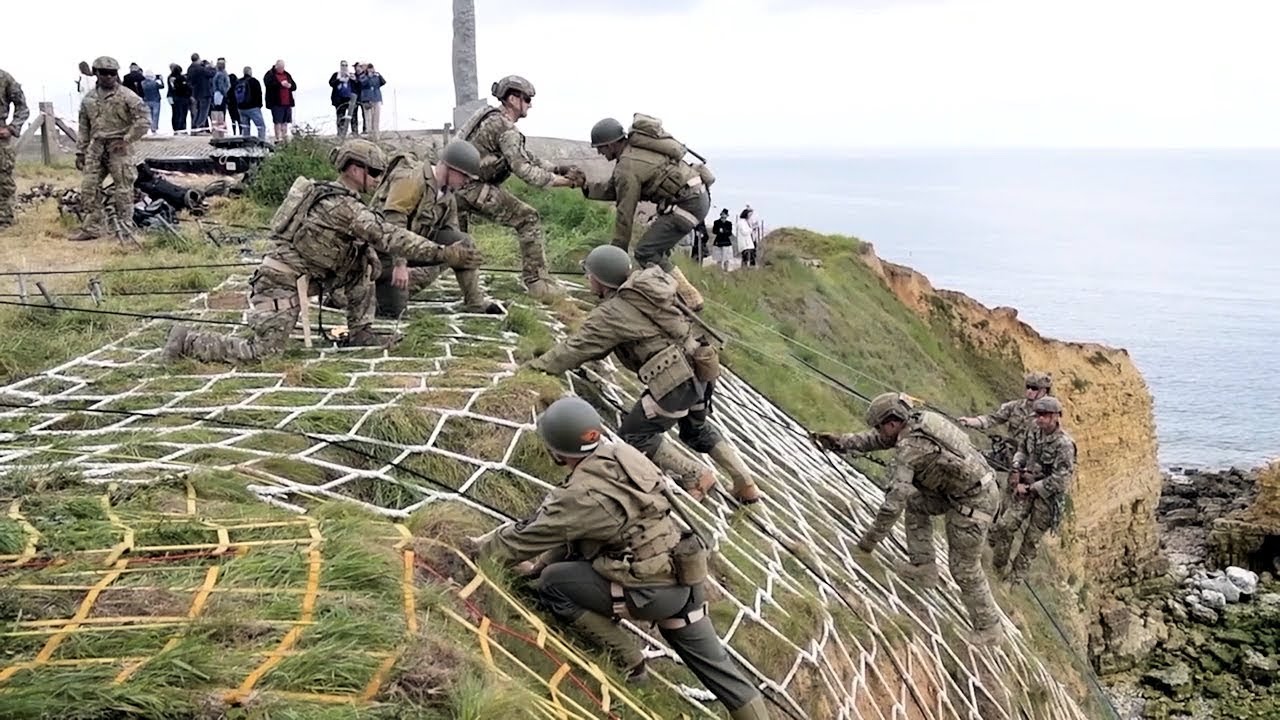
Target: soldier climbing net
{"x":825,"y":633}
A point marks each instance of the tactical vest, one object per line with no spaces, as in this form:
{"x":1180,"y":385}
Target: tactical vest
{"x":496,"y":173}
{"x":665,"y":181}
{"x":959,"y":468}
{"x":302,"y":196}
{"x":664,"y":365}
{"x":1042,"y":451}
{"x":380,"y":193}
{"x":357,"y":259}
{"x":640,"y":554}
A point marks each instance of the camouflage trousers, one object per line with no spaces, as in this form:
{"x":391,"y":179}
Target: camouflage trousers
{"x":8,"y":189}
{"x":667,"y":230}
{"x":966,"y":537}
{"x":572,"y":589}
{"x":495,"y":204}
{"x":273,"y":313}
{"x":1031,"y":512}
{"x":99,"y":164}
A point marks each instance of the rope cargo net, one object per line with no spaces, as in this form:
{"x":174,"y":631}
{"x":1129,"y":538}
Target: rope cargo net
{"x":825,"y":633}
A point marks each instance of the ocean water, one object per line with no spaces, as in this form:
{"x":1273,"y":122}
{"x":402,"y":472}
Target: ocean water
{"x":1174,"y":255}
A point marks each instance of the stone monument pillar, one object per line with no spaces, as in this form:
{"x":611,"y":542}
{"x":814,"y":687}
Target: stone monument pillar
{"x":465,"y":80}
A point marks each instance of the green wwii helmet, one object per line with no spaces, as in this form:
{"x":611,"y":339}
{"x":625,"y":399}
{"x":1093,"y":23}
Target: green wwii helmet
{"x":509,"y":83}
{"x":606,"y":131}
{"x":887,"y":406}
{"x":571,"y":427}
{"x":608,"y":264}
{"x":463,"y":157}
{"x":106,"y":63}
{"x":1047,"y":404}
{"x":359,"y":151}
{"x":1039,"y":380}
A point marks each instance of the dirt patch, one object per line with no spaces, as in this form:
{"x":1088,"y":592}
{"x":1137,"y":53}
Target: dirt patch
{"x":428,"y":672}
{"x":140,"y":602}
{"x":230,"y":300}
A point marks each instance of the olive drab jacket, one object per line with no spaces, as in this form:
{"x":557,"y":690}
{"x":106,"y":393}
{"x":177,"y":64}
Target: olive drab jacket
{"x":932,"y":456}
{"x":412,"y":198}
{"x":1050,"y":459}
{"x":636,"y":323}
{"x":610,"y":510}
{"x":642,"y":174}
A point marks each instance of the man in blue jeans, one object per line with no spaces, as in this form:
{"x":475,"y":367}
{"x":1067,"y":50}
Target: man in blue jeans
{"x":247,"y":95}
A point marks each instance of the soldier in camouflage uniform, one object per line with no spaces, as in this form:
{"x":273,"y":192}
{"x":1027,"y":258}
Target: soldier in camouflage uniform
{"x":10,"y":131}
{"x":503,"y":153}
{"x":112,"y":119}
{"x":322,"y":235}
{"x":607,"y":548}
{"x":1017,"y":414}
{"x":1042,"y":470}
{"x":641,"y":323}
{"x":935,"y":471}
{"x":646,"y":175}
{"x":420,"y":197}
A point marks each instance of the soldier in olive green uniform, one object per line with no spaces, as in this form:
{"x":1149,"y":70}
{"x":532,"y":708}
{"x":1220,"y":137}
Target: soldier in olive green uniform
{"x":112,"y":119}
{"x":642,"y":174}
{"x":607,"y":548}
{"x":1042,"y":471}
{"x":935,"y":471}
{"x":321,"y":235}
{"x":1017,"y":414}
{"x":503,"y":154}
{"x":421,"y":198}
{"x":10,"y":130}
{"x":641,"y":323}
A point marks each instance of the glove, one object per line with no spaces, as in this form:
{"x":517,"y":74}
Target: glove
{"x":576,"y":176}
{"x":80,"y":162}
{"x":825,"y":440}
{"x":866,"y":544}
{"x":461,"y":256}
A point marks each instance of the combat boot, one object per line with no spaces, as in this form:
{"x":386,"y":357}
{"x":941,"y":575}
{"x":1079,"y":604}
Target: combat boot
{"x":366,"y":337}
{"x":83,"y":235}
{"x":744,"y":486}
{"x":544,"y":289}
{"x":620,"y":644}
{"x":986,"y":636}
{"x":924,"y":576}
{"x":175,"y":345}
{"x":473,"y":299}
{"x":754,"y":710}
{"x":689,"y":294}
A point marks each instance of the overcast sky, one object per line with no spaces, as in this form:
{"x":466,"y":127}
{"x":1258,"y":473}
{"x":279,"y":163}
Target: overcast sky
{"x":740,"y":74}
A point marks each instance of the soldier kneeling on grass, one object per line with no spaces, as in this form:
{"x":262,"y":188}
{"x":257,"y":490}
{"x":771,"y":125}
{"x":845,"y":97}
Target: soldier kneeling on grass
{"x":321,"y":235}
{"x":607,"y":548}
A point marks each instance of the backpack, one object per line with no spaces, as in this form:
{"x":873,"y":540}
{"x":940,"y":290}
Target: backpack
{"x":241,"y":92}
{"x":647,"y":133}
{"x":302,"y":196}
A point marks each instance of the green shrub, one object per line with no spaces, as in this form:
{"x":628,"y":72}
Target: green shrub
{"x":304,"y":156}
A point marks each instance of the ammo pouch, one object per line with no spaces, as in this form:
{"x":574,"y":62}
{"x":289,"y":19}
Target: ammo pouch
{"x":667,"y":370}
{"x":671,"y":188}
{"x":704,"y":172}
{"x":689,"y":559}
{"x":706,"y":363}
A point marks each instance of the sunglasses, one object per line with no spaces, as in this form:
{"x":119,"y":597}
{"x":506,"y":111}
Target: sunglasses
{"x":526,"y":98}
{"x":1033,"y":387}
{"x":372,"y":172}
{"x":104,"y":73}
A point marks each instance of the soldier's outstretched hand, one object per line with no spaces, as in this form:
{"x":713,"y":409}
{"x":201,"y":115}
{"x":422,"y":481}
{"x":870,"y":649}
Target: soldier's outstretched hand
{"x":826,"y":440}
{"x":461,"y":256}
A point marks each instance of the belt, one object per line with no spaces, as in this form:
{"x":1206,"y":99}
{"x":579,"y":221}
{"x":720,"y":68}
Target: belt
{"x":976,"y":514}
{"x":617,"y":594}
{"x":301,"y":281}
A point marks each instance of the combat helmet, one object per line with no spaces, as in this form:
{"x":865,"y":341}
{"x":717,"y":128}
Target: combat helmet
{"x":504,"y":86}
{"x":106,"y":63}
{"x":358,"y":151}
{"x":462,"y":156}
{"x":887,"y":406}
{"x":609,"y":265}
{"x":1047,"y":404}
{"x":606,"y":131}
{"x":1039,"y":380}
{"x":571,"y":427}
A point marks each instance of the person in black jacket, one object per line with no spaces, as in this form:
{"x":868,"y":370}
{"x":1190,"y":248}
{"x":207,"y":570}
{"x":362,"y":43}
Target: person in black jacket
{"x":179,"y":97}
{"x":344,"y":97}
{"x":133,"y":80}
{"x":722,"y":230}
{"x":278,"y":88}
{"x":200,"y":78}
{"x":246,"y":93}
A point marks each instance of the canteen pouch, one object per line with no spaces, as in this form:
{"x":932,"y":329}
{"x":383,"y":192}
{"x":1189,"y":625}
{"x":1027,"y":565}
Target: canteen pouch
{"x":292,"y":208}
{"x":667,"y":370}
{"x":706,"y":363}
{"x":689,"y":559}
{"x":704,"y":172}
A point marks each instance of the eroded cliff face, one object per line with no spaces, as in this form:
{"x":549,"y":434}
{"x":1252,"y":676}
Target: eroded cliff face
{"x":1110,"y":537}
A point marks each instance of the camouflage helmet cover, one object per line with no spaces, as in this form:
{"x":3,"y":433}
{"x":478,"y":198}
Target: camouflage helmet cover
{"x":606,"y":131}
{"x":887,"y":406}
{"x":463,"y":157}
{"x":509,"y":83}
{"x":571,"y":427}
{"x":358,"y":151}
{"x":608,"y":264}
{"x":1047,"y":404}
{"x":1039,"y":380}
{"x":106,"y":63}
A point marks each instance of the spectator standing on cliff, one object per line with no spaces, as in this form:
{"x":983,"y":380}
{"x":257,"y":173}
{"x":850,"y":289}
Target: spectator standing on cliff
{"x":152,"y":84}
{"x":371,"y":82}
{"x":746,"y":239}
{"x":247,"y":95}
{"x":233,"y":110}
{"x":700,"y":240}
{"x":278,"y":92}
{"x":179,"y":97}
{"x":200,"y":78}
{"x":722,"y":245}
{"x":344,"y":96}
{"x":133,"y":79}
{"x":221,"y":86}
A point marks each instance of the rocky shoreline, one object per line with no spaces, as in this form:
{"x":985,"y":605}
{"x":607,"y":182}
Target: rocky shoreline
{"x":1202,"y":641}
